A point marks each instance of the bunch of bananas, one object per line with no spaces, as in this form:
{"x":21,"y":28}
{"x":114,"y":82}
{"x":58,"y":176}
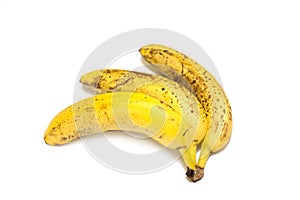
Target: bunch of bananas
{"x":181,"y":110}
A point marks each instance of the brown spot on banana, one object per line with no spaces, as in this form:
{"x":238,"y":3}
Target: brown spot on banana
{"x":225,"y":133}
{"x":185,"y":132}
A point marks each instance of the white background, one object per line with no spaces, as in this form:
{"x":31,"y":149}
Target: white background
{"x":254,"y":45}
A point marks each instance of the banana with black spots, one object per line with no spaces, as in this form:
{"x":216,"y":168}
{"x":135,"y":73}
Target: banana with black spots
{"x":128,"y":111}
{"x":209,"y":92}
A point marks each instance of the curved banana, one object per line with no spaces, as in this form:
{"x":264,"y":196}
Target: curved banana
{"x":210,"y":94}
{"x":171,"y":93}
{"x":168,"y":91}
{"x":126,"y":111}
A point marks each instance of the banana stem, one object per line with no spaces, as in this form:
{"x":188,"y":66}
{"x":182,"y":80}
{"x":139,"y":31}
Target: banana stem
{"x":203,"y":160}
{"x":189,"y":156}
{"x":198,"y":173}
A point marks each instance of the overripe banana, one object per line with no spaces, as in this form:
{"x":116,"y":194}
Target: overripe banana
{"x":128,"y":111}
{"x":168,"y":91}
{"x":211,"y":95}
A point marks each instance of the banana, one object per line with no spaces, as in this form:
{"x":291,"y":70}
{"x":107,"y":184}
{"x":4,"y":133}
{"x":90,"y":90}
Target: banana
{"x":210,"y":94}
{"x":171,"y":93}
{"x":128,"y":111}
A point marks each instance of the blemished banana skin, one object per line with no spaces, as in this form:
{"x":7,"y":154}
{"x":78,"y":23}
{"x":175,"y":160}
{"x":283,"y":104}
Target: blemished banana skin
{"x":168,"y":91}
{"x":127,"y":111}
{"x":179,"y":67}
{"x":172,"y":94}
